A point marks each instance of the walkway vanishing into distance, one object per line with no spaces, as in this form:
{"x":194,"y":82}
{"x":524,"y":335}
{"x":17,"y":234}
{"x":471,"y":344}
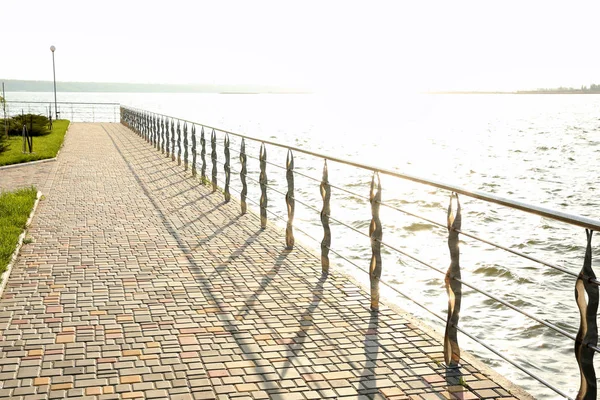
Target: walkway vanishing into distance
{"x":142,"y":283}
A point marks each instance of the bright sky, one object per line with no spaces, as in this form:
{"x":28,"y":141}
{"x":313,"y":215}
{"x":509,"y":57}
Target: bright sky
{"x":413,"y":45}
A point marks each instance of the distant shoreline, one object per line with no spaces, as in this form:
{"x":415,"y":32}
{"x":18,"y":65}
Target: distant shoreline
{"x":13,"y":85}
{"x":521,"y":92}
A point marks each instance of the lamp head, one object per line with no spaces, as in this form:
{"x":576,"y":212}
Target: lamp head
{"x":52,"y":48}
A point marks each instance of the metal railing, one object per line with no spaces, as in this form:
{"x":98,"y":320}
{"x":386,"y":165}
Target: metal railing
{"x":165,"y":134}
{"x":73,"y":111}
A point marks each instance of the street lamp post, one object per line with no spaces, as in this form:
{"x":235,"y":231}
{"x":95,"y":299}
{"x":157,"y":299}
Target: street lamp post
{"x":52,"y":49}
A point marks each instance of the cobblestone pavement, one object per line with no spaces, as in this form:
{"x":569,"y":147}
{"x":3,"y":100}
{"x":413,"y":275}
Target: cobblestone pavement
{"x":141,"y":283}
{"x":38,"y":174}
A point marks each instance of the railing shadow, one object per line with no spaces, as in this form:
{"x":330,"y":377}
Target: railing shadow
{"x":265,"y":283}
{"x":298,"y":340}
{"x":371,"y":351}
{"x":454,"y":378}
{"x":239,"y":251}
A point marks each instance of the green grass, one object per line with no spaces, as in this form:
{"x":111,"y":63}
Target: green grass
{"x":43,"y":146}
{"x":15,"y":208}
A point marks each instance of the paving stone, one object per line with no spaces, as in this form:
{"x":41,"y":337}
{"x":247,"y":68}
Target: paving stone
{"x":28,"y":372}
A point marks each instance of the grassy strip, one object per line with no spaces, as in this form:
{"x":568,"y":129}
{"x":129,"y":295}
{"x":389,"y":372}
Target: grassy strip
{"x":15,"y":208}
{"x":46,"y":146}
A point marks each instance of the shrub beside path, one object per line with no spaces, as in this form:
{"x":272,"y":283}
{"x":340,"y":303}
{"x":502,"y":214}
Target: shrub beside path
{"x":141,"y":283}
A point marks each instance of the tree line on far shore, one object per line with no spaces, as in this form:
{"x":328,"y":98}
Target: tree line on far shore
{"x":593,"y":88}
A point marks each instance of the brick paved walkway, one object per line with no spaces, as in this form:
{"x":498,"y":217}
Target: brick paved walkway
{"x":140,"y":283}
{"x":38,"y":174}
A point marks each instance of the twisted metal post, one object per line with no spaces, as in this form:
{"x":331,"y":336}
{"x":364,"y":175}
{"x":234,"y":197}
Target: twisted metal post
{"x":243,"y":173}
{"x":203,"y":155}
{"x":151,"y":127}
{"x":178,"y":142}
{"x":162,"y":136}
{"x":172,"y":140}
{"x":141,"y":125}
{"x":193,"y":150}
{"x":151,"y":124}
{"x":167,"y":147}
{"x":453,"y":286}
{"x":375,"y":232}
{"x":213,"y":156}
{"x":587,"y":336}
{"x":185,"y":146}
{"x":325,"y":211}
{"x":152,"y":130}
{"x":157,"y":131}
{"x":263,"y":186}
{"x":227,"y":168}
{"x":289,"y":201}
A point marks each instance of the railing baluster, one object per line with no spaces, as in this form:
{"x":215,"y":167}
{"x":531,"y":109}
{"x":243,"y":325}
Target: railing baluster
{"x":203,"y":156}
{"x":213,"y":156}
{"x":243,"y":172}
{"x":150,"y":129}
{"x":325,"y":211}
{"x":453,"y":286}
{"x":167,"y":147}
{"x":185,"y":146}
{"x":156,"y":131}
{"x":193,"y":150}
{"x":153,"y":130}
{"x":263,"y":186}
{"x":178,"y":142}
{"x":172,"y":139}
{"x":588,"y":328}
{"x":149,"y":122}
{"x":146,"y":128}
{"x":289,"y":200}
{"x":375,"y":232}
{"x":227,"y":168}
{"x":162,"y":136}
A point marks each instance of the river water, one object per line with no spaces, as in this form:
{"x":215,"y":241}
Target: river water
{"x":540,"y":149}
